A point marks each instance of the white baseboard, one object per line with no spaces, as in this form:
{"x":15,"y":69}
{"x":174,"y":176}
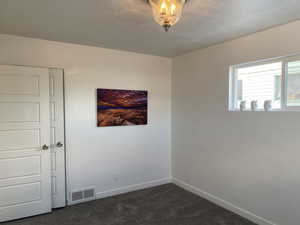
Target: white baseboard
{"x":225,"y":204}
{"x":134,"y":187}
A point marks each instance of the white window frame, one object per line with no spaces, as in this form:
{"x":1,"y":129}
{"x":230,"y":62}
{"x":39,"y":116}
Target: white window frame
{"x":232,"y":101}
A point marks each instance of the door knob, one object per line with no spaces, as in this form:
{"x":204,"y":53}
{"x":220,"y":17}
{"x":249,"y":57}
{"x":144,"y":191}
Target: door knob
{"x":45,"y":147}
{"x":59,"y":144}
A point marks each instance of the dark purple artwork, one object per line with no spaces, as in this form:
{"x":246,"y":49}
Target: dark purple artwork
{"x":121,"y":107}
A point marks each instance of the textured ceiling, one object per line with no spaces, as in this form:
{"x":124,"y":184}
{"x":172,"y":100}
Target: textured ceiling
{"x":128,"y":24}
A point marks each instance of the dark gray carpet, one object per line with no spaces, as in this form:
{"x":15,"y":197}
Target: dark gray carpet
{"x":162,"y":205}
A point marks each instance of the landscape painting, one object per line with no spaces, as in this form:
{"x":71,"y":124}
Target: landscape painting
{"x":121,"y":107}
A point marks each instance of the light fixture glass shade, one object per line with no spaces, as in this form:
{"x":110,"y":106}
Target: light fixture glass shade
{"x":167,"y":12}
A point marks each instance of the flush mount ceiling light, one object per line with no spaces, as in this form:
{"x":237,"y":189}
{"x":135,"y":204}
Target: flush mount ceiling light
{"x":167,"y":12}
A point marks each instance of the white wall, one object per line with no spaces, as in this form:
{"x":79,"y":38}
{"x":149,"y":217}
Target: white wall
{"x":250,"y":160}
{"x":112,"y":158}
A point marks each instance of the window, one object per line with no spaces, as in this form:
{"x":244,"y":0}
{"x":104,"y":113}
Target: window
{"x":293,"y":84}
{"x":272,"y":82}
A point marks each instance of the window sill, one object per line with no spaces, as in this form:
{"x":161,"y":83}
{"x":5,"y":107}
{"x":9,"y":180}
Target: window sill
{"x":261,"y":110}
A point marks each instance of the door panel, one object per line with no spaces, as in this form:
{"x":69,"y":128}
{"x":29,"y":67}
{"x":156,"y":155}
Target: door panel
{"x":9,"y":167}
{"x":57,"y":136}
{"x":19,"y":139}
{"x":21,"y":193}
{"x":19,"y":112}
{"x":16,"y":85}
{"x":25,"y":178}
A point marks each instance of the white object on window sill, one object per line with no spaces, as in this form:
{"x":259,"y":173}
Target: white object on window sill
{"x":242,"y":106}
{"x":268,"y":105}
{"x":254,"y":105}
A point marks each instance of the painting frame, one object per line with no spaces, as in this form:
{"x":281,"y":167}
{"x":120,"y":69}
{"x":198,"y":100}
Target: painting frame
{"x":121,"y":107}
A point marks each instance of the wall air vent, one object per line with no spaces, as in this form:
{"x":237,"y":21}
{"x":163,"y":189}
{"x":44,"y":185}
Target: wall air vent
{"x":89,"y":193}
{"x":76,"y":196}
{"x":83,"y":195}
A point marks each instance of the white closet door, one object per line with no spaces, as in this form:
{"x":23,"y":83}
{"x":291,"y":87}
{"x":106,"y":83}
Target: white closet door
{"x":25,"y":170}
{"x":57,"y":138}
